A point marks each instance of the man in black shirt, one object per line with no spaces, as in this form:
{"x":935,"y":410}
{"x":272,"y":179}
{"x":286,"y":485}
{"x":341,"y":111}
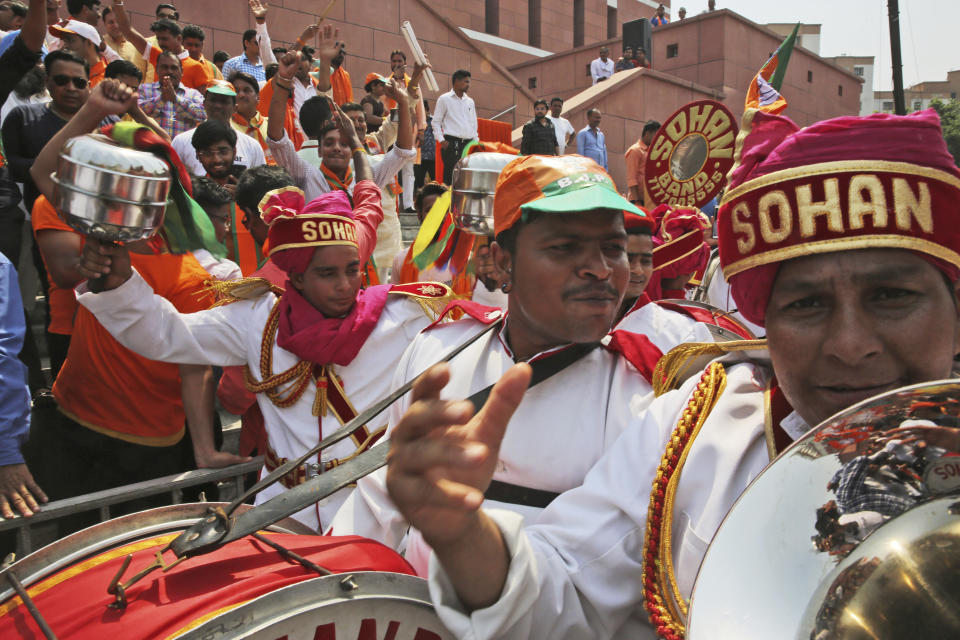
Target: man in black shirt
{"x":28,"y":128}
{"x":539,"y":136}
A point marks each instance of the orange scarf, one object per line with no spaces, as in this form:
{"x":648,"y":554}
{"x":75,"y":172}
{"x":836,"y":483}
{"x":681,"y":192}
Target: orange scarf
{"x":335,"y":182}
{"x":255,"y":128}
{"x":342,"y":89}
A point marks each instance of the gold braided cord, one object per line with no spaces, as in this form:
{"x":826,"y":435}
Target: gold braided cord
{"x":663,"y":600}
{"x":675,"y":365}
{"x":297,"y":378}
{"x":710,"y":392}
{"x":229,"y":291}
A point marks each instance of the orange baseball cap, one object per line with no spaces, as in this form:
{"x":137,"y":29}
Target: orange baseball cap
{"x":555,"y":184}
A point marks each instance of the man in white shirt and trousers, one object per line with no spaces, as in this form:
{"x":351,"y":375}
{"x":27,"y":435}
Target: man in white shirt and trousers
{"x":454,"y":122}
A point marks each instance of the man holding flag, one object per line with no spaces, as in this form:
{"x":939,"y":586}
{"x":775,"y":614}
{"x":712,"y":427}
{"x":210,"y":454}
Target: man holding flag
{"x":764,"y":91}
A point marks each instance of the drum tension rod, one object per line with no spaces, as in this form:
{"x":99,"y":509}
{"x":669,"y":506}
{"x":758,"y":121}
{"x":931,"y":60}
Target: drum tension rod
{"x":30,"y":604}
{"x":293,"y":555}
{"x":118,"y":589}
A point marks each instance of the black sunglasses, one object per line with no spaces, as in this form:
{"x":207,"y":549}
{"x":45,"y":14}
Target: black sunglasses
{"x":62,"y":80}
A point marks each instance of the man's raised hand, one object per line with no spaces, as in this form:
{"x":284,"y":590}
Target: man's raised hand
{"x":442,"y":456}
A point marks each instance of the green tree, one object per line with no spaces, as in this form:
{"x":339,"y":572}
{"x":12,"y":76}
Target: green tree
{"x":949,"y":112}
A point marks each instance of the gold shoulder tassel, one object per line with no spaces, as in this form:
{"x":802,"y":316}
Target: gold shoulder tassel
{"x":229,"y":291}
{"x":676,"y":365}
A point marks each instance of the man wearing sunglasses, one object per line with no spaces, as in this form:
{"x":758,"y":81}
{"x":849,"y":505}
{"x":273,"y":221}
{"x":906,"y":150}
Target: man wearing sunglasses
{"x":29,"y":127}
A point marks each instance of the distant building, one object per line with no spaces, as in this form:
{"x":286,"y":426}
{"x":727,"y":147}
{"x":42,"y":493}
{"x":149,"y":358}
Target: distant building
{"x":862,"y":67}
{"x":920,"y":95}
{"x":808,"y":36}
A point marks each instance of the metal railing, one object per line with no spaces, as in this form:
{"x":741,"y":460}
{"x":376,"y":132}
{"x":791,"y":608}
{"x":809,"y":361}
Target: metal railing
{"x":230,"y":485}
{"x":504,"y":112}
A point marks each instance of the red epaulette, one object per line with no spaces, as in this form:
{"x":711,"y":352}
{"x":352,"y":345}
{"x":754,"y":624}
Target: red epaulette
{"x":637,"y":349}
{"x":422,"y":289}
{"x":479,"y":312}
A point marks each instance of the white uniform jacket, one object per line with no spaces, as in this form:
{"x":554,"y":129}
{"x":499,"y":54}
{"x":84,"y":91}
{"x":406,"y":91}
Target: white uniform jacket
{"x":577,"y":572}
{"x":231,"y":335}
{"x":561,"y":428}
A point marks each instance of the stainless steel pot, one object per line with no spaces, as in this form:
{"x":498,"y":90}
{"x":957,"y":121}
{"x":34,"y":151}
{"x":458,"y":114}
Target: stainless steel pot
{"x":110,"y":191}
{"x":474,"y":183}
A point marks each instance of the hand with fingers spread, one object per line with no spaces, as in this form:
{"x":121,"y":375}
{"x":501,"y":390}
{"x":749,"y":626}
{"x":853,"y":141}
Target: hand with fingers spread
{"x":106,"y":265}
{"x":418,"y":70}
{"x":442,"y":456}
{"x":19,"y":491}
{"x":395,"y":90}
{"x":348,"y":132}
{"x":259,"y":9}
{"x":328,"y":43}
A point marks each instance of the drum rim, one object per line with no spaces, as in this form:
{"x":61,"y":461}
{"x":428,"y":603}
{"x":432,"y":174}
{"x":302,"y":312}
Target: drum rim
{"x":112,"y":533}
{"x":323,"y":591}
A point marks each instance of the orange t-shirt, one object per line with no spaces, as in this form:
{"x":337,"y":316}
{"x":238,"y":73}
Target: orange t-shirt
{"x":194,"y":73}
{"x":241,"y":247}
{"x":114,"y":391}
{"x":62,"y":302}
{"x":97,"y":71}
{"x":290,"y":116}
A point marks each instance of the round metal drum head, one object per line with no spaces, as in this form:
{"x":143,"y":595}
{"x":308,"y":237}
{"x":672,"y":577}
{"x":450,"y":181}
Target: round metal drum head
{"x":853,"y":532}
{"x":354,"y":605}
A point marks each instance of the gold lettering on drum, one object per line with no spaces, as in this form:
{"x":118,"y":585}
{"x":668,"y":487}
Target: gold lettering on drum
{"x":309,"y":230}
{"x":677,"y":128}
{"x":808,"y":210}
{"x":741,"y":225}
{"x":771,"y":233}
{"x":718,"y":125}
{"x":908,"y":204}
{"x":874,"y":205}
{"x":698,"y":116}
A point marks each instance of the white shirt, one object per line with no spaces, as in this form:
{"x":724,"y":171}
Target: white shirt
{"x":311,"y":178}
{"x":554,"y":437}
{"x":219,"y":268}
{"x":454,"y":116}
{"x":563,"y":129}
{"x":576,"y":573}
{"x":301,"y":93}
{"x":231,"y":335}
{"x":600,"y":69}
{"x":249,"y":153}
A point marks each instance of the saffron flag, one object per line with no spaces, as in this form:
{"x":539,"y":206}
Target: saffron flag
{"x":764,"y":91}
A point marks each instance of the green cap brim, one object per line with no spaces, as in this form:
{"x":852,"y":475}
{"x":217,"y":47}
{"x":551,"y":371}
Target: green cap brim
{"x":223,"y":91}
{"x":589,"y":198}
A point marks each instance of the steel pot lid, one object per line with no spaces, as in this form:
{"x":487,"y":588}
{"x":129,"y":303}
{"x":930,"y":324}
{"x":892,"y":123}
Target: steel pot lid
{"x":858,"y":517}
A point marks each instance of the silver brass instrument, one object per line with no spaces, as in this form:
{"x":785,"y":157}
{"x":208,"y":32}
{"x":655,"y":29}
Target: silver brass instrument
{"x":473,"y":184}
{"x":852,"y":532}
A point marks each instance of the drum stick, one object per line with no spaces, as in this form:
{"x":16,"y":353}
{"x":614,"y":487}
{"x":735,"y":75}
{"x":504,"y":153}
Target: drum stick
{"x":417,"y":52}
{"x":325,"y":12}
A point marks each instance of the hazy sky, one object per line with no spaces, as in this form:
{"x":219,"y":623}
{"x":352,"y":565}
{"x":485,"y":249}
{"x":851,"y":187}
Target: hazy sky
{"x":929,"y":31}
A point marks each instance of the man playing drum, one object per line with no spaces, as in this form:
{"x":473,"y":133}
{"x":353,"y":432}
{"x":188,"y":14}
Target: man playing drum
{"x":316,"y":351}
{"x":560,"y":238}
{"x":841,"y":240}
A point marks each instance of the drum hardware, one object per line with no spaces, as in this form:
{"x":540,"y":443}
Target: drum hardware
{"x":296,"y":557}
{"x":118,"y":589}
{"x":28,"y":602}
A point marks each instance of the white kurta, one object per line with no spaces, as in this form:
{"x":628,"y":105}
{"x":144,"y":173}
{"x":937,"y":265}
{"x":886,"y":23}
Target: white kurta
{"x":576,"y":573}
{"x":560,"y":430}
{"x":231,"y":335}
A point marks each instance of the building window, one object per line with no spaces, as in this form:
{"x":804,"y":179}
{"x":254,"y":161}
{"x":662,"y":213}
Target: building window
{"x":809,"y":76}
{"x":611,"y":22}
{"x":888,"y":105}
{"x":532,"y":83}
{"x":839,"y":89}
{"x":578,"y":22}
{"x":858,"y":71}
{"x":917,"y":105}
{"x":491,"y":17}
{"x":953,"y":95}
{"x":533,"y":22}
{"x":673,"y":50}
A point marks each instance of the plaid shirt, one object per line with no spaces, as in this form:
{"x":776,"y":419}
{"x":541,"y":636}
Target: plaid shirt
{"x":175,"y":117}
{"x":242,"y":63}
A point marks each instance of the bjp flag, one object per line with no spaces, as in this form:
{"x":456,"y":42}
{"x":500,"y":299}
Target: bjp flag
{"x":764,"y":90}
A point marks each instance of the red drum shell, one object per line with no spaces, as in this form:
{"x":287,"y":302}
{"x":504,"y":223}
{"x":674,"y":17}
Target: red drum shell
{"x":74,"y":600}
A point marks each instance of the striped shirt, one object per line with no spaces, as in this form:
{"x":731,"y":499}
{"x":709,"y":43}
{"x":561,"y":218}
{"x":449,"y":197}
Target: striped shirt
{"x":175,"y":117}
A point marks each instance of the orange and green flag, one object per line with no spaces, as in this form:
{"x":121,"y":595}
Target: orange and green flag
{"x":764,"y":90}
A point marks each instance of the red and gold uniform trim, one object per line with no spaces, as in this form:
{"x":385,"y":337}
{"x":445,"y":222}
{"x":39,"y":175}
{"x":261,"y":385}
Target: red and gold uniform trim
{"x":662,"y":598}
